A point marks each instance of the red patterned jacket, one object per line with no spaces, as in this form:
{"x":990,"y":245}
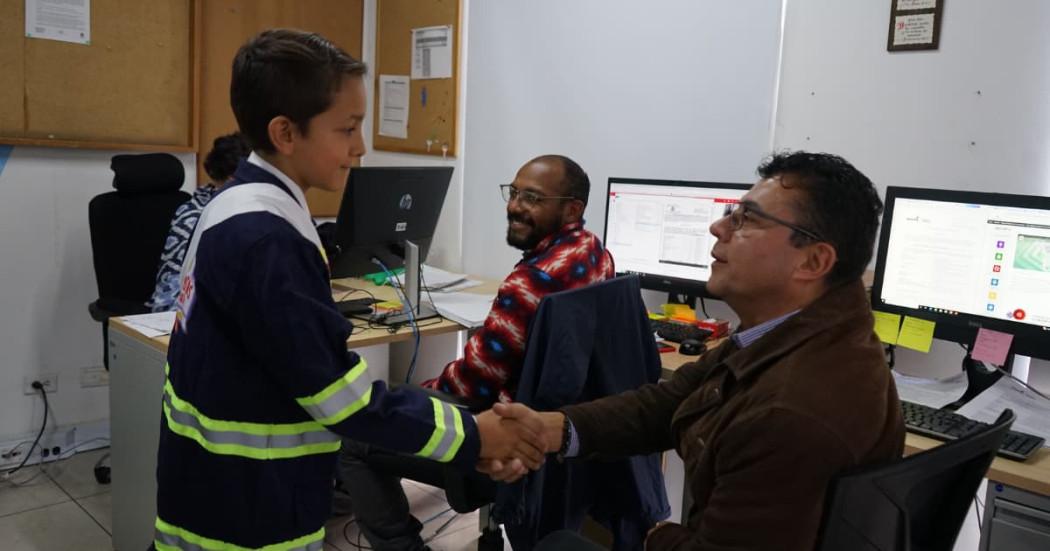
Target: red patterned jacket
{"x":489,"y":370}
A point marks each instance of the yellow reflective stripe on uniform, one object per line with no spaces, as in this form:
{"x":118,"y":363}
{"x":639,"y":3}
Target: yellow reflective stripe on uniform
{"x":172,"y":538}
{"x":344,"y":397}
{"x":448,"y":433}
{"x":251,"y":440}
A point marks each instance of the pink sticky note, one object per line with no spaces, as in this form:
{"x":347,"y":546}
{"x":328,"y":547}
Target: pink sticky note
{"x":991,"y":346}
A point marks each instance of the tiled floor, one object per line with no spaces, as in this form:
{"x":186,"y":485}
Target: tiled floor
{"x":59,"y":509}
{"x":64,"y":509}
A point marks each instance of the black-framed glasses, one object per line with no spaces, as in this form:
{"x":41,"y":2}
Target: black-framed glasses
{"x":742,"y":212}
{"x":529,"y":198}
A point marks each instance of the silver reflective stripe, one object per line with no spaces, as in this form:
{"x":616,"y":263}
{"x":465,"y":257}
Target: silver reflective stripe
{"x":175,"y":541}
{"x":449,"y":417}
{"x":449,"y":413}
{"x":344,"y":402}
{"x":179,"y":543}
{"x":273,"y":441}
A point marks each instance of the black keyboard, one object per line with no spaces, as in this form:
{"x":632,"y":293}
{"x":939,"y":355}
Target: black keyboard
{"x":677,"y":331}
{"x":946,"y":425}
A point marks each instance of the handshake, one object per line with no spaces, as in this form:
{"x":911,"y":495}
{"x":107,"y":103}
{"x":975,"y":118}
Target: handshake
{"x":515,"y":439}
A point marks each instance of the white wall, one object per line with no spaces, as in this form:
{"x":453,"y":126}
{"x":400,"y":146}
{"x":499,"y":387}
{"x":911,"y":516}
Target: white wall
{"x":973,"y":115}
{"x":671,"y":89}
{"x":47,"y":280}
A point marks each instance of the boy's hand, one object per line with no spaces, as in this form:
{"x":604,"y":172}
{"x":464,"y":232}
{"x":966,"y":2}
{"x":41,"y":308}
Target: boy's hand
{"x":516,"y":433}
{"x":502,"y":470}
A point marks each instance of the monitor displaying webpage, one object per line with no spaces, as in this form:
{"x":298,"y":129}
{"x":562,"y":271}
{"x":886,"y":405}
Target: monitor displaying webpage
{"x":983,"y":260}
{"x":664,"y":229}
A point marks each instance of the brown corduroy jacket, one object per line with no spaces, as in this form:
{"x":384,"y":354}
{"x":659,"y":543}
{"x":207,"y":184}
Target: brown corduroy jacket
{"x":762,"y":430}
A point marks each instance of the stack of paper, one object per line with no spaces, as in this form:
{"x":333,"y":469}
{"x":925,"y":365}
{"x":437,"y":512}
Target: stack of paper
{"x":437,"y":280}
{"x":935,"y":393}
{"x":467,"y":309}
{"x":151,"y":325}
{"x":1032,"y":410}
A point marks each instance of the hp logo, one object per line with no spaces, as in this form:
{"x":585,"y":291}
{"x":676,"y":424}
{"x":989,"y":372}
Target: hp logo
{"x":406,"y":202}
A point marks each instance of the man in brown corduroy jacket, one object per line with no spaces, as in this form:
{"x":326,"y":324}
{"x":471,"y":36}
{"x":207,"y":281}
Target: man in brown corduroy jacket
{"x":799,"y":393}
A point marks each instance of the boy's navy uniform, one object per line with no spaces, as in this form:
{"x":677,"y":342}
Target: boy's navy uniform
{"x":259,"y":376}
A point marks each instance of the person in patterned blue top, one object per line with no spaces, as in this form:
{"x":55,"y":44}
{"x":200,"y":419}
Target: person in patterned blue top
{"x":220,"y":165}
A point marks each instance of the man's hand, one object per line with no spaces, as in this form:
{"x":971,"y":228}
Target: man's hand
{"x":549,"y":425}
{"x":516,"y":432}
{"x":538,"y":432}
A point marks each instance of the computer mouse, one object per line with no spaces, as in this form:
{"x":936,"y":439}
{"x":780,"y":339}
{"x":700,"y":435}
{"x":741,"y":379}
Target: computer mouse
{"x":691,"y":347}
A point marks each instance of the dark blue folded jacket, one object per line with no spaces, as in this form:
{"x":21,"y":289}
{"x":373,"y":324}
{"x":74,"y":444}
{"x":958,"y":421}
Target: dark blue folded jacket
{"x":584,"y":344}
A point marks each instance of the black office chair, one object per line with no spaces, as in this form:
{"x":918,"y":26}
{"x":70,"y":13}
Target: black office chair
{"x":602,"y":352}
{"x":128,"y":229}
{"x":917,"y":503}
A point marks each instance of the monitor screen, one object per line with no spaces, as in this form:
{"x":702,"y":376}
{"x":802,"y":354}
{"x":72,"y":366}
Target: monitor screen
{"x":967,"y":260}
{"x":659,"y":229}
{"x":382,"y":208}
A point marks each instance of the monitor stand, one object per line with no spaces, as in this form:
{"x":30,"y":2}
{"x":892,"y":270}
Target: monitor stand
{"x":978,"y":378}
{"x":679,"y":298}
{"x":412,"y":291}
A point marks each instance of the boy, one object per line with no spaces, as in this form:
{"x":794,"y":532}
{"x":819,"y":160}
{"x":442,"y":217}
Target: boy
{"x":258,"y":369}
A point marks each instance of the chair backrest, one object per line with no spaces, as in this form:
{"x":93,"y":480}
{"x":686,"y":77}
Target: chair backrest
{"x":587,"y":343}
{"x":917,"y":503}
{"x":129,"y":226}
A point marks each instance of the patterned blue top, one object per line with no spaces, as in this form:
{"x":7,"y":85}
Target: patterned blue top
{"x":182,"y":226}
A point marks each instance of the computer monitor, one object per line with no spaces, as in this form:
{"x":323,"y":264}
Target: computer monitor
{"x":389,"y":214}
{"x":967,"y":260}
{"x":660,"y":230}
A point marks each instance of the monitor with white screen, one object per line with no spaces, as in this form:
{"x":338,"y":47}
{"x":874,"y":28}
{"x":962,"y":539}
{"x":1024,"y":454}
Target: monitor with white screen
{"x":967,"y":260}
{"x":659,"y":229}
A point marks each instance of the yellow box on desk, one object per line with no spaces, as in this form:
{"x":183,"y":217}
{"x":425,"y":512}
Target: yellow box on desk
{"x":679,"y":311}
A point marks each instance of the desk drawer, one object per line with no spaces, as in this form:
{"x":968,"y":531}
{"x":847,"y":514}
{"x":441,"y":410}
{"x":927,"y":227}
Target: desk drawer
{"x":1018,"y":527}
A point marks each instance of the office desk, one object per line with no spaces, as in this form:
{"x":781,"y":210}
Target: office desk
{"x":136,"y":383}
{"x":1017,"y":502}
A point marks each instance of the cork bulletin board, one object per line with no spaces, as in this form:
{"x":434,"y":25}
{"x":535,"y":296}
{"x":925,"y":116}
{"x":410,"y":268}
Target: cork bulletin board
{"x":134,"y":86}
{"x":431,"y":102}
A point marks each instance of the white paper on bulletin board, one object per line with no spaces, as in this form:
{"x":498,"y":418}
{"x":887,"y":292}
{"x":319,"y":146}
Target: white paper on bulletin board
{"x":393,"y":106}
{"x":432,"y":52}
{"x":64,"y":20}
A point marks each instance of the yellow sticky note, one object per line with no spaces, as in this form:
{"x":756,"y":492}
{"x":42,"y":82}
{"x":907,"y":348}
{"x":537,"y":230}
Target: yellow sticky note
{"x":916,"y":334}
{"x":887,"y":326}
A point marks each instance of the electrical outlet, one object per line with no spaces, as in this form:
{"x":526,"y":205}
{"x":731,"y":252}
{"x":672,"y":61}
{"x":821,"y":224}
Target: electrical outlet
{"x":49,"y":380}
{"x":93,"y":375}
